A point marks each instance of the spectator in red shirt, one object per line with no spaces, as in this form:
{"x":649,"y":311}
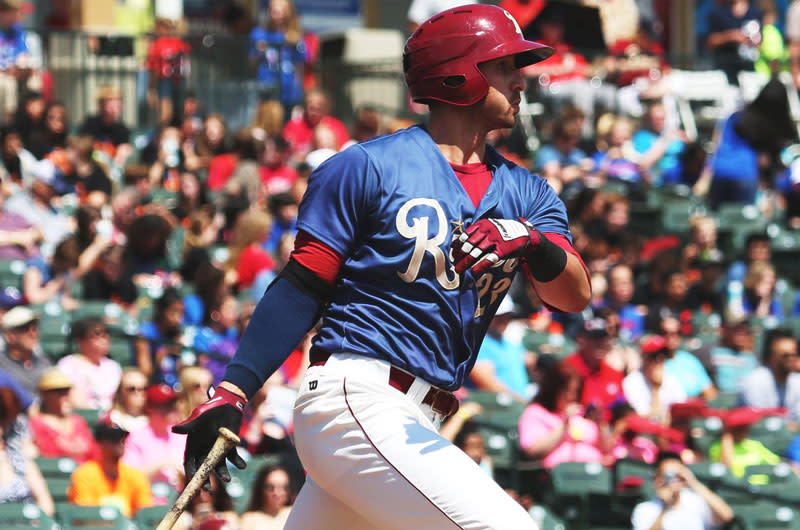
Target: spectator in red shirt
{"x":168,"y":63}
{"x":564,"y":77}
{"x":602,"y":384}
{"x":56,"y":430}
{"x":299,"y":131}
{"x":277,"y":176}
{"x":247,"y":257}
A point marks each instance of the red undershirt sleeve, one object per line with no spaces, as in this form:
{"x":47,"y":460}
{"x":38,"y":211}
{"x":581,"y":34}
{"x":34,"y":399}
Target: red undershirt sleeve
{"x":317,"y":257}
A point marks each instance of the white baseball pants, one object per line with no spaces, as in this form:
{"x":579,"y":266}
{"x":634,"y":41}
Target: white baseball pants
{"x":376,"y":461}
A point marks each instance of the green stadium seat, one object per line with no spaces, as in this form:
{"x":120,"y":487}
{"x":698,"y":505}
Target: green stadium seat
{"x":73,"y":517}
{"x":768,"y":516}
{"x":712,"y":473}
{"x":92,"y":416}
{"x":675,"y":215}
{"x":704,"y":432}
{"x":774,"y":432}
{"x":120,"y":350}
{"x":579,"y":478}
{"x":736,"y":222}
{"x":724,"y":400}
{"x":773,"y":478}
{"x":58,"y":486}
{"x":11,"y":273}
{"x":706,"y":323}
{"x":785,"y":261}
{"x":626,"y":468}
{"x":150,"y":517}
{"x":56,"y":467}
{"x":18,"y":515}
{"x":578,"y":489}
{"x":502,"y":445}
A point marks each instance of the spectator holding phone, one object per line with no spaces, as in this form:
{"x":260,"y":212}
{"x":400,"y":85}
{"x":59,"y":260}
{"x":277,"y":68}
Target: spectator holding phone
{"x":682,"y":502}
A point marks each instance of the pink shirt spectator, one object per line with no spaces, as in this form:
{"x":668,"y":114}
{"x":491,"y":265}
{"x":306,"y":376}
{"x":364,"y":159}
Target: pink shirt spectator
{"x":144,"y":449}
{"x":97,"y":381}
{"x":639,"y":448}
{"x":578,"y":445}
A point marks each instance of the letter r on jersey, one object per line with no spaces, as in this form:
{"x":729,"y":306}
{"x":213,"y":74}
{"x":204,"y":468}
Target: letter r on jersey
{"x":423,"y":243}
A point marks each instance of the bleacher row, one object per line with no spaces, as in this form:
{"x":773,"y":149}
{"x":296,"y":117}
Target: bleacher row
{"x":57,"y":472}
{"x":581,"y":496}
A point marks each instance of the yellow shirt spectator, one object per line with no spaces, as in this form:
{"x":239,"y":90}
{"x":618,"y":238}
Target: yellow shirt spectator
{"x":91,"y":487}
{"x":745,"y":453}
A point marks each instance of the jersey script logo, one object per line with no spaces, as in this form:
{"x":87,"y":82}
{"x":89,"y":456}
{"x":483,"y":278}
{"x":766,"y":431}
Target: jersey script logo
{"x":418,"y":230}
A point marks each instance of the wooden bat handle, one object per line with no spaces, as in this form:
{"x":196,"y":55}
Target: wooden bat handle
{"x":226,"y":441}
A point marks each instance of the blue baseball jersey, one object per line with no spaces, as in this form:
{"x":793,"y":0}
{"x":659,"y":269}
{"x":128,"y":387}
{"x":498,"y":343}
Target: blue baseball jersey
{"x":390,"y":207}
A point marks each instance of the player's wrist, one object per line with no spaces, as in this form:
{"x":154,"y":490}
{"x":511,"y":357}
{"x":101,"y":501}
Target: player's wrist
{"x":233,"y":389}
{"x":546,"y":260}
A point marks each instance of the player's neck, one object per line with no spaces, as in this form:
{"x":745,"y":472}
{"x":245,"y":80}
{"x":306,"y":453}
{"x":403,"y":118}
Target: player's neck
{"x":457,"y":138}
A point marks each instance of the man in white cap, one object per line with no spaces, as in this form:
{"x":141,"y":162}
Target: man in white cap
{"x":23,"y":357}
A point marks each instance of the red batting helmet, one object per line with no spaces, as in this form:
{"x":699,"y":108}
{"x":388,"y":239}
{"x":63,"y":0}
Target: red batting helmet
{"x":441,"y":58}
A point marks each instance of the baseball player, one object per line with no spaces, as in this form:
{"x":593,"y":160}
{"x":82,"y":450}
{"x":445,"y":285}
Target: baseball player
{"x":407,"y":244}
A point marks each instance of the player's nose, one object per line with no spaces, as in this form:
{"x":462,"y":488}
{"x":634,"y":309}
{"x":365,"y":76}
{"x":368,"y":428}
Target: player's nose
{"x":518,"y":80}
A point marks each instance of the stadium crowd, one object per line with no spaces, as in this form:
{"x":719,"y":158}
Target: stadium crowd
{"x":129,"y":271}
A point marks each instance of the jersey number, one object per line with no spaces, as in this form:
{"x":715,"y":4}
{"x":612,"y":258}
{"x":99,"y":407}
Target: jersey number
{"x":494,"y":289}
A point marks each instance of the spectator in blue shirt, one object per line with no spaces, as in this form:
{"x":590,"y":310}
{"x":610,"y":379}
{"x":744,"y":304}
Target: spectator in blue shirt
{"x":13,"y":56}
{"x":501,"y":363}
{"x":750,"y":146}
{"x":659,"y":146}
{"x":279,"y":53}
{"x":157,"y":349}
{"x":683,"y":365}
{"x":733,"y":359}
{"x":217,"y":339}
{"x":563,"y":162}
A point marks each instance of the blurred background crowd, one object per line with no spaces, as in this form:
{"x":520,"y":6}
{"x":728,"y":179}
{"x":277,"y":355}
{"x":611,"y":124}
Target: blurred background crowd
{"x":152,"y":158}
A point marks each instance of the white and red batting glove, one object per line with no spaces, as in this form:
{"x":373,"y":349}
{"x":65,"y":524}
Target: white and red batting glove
{"x":488,"y":241}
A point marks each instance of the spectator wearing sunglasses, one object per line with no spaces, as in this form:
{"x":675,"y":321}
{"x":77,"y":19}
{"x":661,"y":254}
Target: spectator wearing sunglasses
{"x":94,"y":376}
{"x":127,"y":408}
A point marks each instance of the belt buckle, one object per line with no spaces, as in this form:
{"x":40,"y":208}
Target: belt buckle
{"x":444,"y":403}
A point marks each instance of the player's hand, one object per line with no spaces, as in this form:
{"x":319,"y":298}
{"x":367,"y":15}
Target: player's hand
{"x":224,"y":409}
{"x":488,"y":241}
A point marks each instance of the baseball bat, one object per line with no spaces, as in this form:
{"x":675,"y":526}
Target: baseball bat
{"x":226,"y":441}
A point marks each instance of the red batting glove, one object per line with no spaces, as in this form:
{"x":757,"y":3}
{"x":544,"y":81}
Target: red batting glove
{"x":224,"y":409}
{"x":488,"y":241}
